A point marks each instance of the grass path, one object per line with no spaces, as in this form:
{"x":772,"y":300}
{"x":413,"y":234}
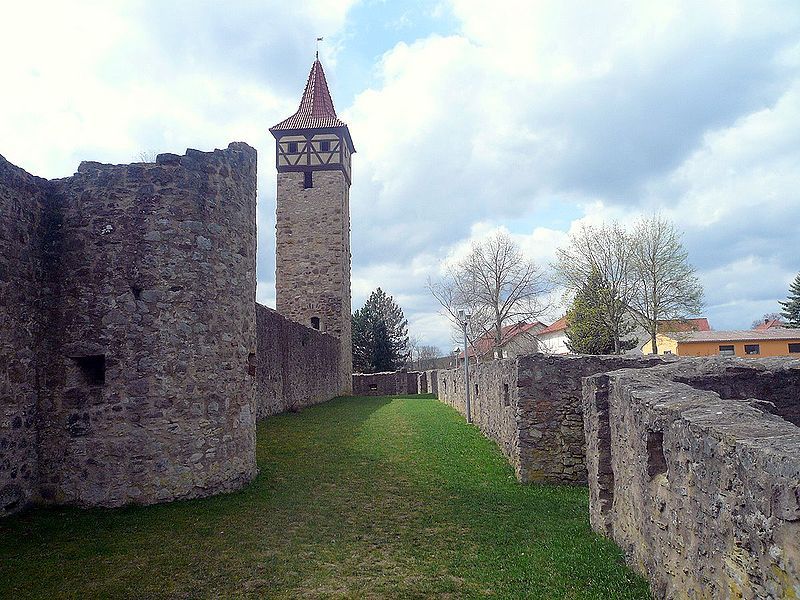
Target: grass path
{"x":379,"y":497}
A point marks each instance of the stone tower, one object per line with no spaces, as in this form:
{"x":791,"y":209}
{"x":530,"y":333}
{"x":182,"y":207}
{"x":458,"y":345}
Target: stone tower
{"x":312,"y":269}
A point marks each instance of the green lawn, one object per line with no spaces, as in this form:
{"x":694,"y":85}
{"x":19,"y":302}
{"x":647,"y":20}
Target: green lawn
{"x":358,"y":497}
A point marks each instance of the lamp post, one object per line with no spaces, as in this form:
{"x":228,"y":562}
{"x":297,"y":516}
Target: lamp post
{"x":464,"y":319}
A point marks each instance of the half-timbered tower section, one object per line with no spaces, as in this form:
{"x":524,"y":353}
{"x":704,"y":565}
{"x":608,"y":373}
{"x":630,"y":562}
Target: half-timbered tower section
{"x":312,"y":278}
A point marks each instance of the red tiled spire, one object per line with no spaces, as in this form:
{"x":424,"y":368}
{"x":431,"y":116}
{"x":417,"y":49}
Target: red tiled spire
{"x":316,"y":107}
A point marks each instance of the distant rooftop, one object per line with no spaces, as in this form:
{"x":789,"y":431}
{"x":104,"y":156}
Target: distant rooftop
{"x":737,"y":336}
{"x":670,"y":325}
{"x":770,"y":324}
{"x":559,"y":325}
{"x":486,"y":343}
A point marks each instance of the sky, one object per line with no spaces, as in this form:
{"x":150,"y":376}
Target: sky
{"x":467,"y":116}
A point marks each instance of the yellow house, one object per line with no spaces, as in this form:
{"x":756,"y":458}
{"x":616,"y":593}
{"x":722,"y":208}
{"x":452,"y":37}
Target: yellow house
{"x":769,"y":342}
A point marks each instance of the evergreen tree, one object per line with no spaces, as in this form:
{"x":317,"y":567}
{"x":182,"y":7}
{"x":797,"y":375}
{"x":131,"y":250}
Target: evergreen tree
{"x":588,"y":331}
{"x":791,"y":307}
{"x":380,"y":335}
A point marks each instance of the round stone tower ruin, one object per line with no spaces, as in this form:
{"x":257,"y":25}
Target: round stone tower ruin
{"x":312,"y":279}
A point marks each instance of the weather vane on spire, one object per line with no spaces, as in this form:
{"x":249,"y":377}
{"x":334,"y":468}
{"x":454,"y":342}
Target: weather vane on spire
{"x":319,"y":39}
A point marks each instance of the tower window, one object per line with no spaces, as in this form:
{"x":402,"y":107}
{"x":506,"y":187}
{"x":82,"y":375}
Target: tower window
{"x":325,"y":146}
{"x":315,"y":322}
{"x":292,"y":147}
{"x":92,"y":368}
{"x":308,"y":179}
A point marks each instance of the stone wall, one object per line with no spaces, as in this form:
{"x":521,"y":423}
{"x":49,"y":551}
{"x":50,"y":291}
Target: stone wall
{"x":390,"y":383}
{"x":432,"y":377}
{"x":23,"y":202}
{"x":702,"y":492}
{"x":147,"y":328}
{"x":538,"y":422}
{"x":296,"y":366}
{"x":495,"y":406}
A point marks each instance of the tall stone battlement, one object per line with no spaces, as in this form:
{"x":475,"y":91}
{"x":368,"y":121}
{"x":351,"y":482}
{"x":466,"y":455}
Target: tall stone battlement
{"x":127,"y":302}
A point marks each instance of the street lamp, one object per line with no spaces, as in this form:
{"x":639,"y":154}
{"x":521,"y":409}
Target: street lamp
{"x":464,"y":317}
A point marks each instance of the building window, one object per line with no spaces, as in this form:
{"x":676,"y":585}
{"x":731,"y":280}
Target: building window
{"x":752,"y":349}
{"x":292,"y":147}
{"x":325,"y":146}
{"x":794,"y":348}
{"x":315,"y":322}
{"x":506,"y":395}
{"x":727,"y":350}
{"x":373,"y":387}
{"x":476,"y":390}
{"x":308,"y":179}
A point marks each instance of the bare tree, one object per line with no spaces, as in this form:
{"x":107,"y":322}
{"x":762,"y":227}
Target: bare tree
{"x":665,"y":285}
{"x":495,"y":284}
{"x":426,"y":356}
{"x":771,"y":316}
{"x":604,"y":251}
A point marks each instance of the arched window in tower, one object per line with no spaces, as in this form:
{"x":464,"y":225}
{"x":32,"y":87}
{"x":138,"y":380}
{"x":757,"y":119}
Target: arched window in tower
{"x":315,"y":322}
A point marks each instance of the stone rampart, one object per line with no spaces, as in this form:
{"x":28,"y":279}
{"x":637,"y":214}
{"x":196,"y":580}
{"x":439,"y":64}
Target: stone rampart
{"x":23,"y":204}
{"x":701,"y":489}
{"x":297,"y":366}
{"x":389,"y":383}
{"x":432,"y":377}
{"x":531,"y":406}
{"x":146,"y":328}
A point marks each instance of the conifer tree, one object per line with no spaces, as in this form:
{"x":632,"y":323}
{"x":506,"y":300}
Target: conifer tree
{"x":588,"y":329}
{"x":380,"y":335}
{"x":791,"y":307}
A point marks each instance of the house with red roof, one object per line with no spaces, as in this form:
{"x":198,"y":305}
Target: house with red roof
{"x":516,"y":339}
{"x":553,"y":338}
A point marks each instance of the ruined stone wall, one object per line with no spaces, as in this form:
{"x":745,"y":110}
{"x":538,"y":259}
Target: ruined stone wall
{"x":744,"y":379}
{"x":432,"y":377}
{"x":390,"y":383}
{"x":296,"y":366}
{"x":23,"y":201}
{"x":543,"y":435}
{"x":701,"y":492}
{"x":422,"y":382}
{"x":551,"y":437}
{"x":494,"y":401}
{"x":312,"y":270}
{"x":146,"y":328}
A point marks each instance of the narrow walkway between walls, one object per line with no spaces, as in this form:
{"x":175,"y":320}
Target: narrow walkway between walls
{"x":357,"y":497}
